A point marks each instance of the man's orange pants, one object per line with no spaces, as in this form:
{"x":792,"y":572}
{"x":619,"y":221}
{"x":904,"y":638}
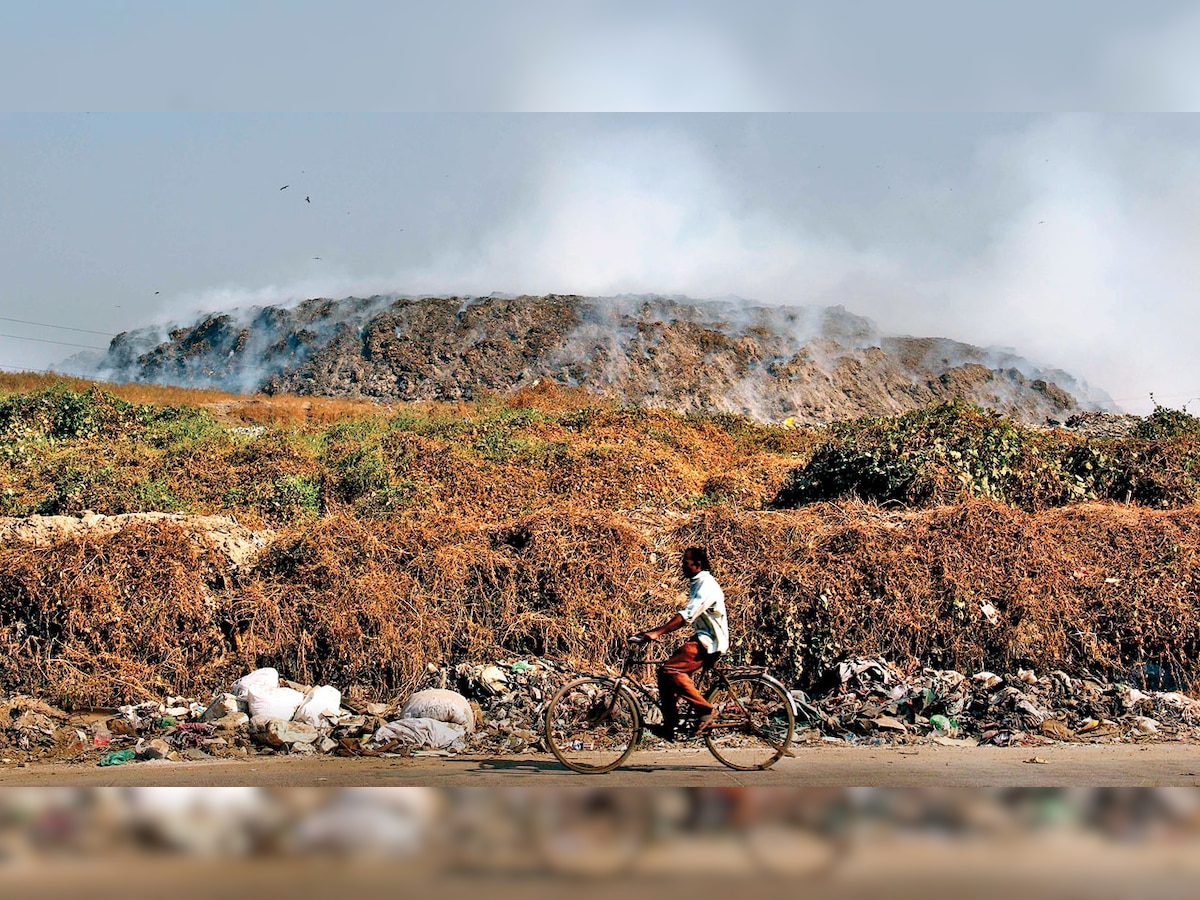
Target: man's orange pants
{"x":674,"y":681}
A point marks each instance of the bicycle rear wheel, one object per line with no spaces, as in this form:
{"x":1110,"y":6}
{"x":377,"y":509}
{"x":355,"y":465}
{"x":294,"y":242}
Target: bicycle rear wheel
{"x":591,"y":727}
{"x":754,"y":722}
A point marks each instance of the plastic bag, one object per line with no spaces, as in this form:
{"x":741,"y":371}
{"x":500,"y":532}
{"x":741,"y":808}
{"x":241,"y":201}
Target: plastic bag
{"x":273,"y":703}
{"x":420,"y":733}
{"x":440,"y":704}
{"x":319,"y":704}
{"x":258,"y":679}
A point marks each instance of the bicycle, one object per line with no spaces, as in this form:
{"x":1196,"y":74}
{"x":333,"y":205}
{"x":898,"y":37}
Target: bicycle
{"x":594,"y":723}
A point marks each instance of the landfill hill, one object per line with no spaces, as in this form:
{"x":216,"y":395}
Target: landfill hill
{"x":816,"y":365}
{"x":162,"y":541}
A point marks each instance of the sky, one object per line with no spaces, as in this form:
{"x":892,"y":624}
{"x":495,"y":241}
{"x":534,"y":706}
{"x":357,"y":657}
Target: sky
{"x":787,"y":155}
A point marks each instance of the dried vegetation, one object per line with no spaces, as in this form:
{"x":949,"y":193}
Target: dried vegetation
{"x":551,"y":525}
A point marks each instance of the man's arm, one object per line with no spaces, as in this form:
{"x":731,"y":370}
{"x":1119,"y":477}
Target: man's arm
{"x":673,"y":624}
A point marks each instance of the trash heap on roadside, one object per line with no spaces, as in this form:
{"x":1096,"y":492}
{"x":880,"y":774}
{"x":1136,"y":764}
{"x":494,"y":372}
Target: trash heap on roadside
{"x":867,"y":700}
{"x":497,"y":709}
{"x":509,"y":699}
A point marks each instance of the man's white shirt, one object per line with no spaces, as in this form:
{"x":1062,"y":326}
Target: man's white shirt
{"x":706,"y":611}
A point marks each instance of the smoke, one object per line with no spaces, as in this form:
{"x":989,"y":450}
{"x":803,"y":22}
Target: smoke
{"x":1069,"y":239}
{"x":1079,"y":251}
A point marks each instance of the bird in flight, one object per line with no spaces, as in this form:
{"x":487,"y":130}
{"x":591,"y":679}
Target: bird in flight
{"x":156,"y":292}
{"x":285,"y":187}
{"x":316,"y":257}
{"x":307,"y":200}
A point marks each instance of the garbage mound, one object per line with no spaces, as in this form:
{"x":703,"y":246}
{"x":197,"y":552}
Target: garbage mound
{"x":498,"y":709}
{"x":868,"y":700}
{"x":813,"y":364}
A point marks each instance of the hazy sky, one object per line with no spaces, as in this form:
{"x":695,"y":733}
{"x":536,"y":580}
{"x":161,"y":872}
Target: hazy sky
{"x":1070,"y":237}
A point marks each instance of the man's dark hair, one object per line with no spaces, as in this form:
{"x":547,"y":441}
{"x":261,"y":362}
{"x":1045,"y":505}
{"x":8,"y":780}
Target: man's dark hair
{"x":698,"y":555}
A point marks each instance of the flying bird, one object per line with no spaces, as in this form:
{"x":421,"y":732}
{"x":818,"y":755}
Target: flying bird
{"x":285,"y":187}
{"x":306,"y":200}
{"x":156,"y":292}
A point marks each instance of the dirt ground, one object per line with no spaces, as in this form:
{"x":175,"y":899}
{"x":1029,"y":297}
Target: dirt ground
{"x":1103,"y":765}
{"x":1081,"y":867}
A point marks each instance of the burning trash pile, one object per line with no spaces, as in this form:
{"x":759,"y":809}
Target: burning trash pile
{"x":867,"y":700}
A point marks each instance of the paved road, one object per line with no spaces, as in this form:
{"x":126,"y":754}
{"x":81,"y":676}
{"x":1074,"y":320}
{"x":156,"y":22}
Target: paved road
{"x":1103,"y":765}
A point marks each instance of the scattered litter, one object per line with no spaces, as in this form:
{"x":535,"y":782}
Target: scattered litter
{"x":117,"y":757}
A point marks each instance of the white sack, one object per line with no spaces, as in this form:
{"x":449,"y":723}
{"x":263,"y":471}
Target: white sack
{"x":420,"y":733}
{"x":318,"y":705}
{"x":440,"y":704}
{"x":273,"y":703}
{"x":259,"y":678}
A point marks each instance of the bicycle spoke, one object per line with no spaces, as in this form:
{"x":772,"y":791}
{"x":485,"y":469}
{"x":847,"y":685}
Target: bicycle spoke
{"x":591,"y":727}
{"x":754,"y":723}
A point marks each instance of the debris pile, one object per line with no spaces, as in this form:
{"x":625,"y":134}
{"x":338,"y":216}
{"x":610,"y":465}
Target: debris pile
{"x":509,"y":700}
{"x":868,"y":699}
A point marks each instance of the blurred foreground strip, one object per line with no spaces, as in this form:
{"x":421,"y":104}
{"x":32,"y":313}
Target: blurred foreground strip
{"x":312,"y":840}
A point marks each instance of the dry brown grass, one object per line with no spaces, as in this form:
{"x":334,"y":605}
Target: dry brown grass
{"x":366,"y":604}
{"x":256,"y":409}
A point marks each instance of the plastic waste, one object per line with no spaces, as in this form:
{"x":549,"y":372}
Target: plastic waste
{"x":273,"y":703}
{"x":256,"y":680}
{"x":117,"y":758}
{"x":320,"y":704}
{"x":440,"y":704}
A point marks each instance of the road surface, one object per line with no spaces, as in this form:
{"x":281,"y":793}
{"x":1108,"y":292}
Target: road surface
{"x":1099,"y":765}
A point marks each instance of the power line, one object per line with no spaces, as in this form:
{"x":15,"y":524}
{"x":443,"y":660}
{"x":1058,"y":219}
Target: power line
{"x":61,"y":327}
{"x":18,"y":337}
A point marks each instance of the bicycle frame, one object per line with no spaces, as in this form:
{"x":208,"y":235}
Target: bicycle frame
{"x":636,"y":657}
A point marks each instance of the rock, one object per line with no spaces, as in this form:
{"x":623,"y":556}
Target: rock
{"x":195,"y":754}
{"x":222,"y":706}
{"x":278,"y":733}
{"x":232,"y":722}
{"x":155,"y":749}
{"x":326,"y":745}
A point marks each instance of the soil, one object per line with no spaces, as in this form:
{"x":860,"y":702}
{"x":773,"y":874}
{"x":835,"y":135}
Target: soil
{"x":1109,"y":765}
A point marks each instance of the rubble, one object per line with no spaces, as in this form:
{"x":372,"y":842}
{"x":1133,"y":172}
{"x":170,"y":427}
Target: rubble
{"x":497,"y":709}
{"x":866,"y":698}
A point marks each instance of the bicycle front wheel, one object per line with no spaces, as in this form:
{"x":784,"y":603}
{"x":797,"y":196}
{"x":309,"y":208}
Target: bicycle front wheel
{"x":591,"y":727}
{"x":754,"y":722}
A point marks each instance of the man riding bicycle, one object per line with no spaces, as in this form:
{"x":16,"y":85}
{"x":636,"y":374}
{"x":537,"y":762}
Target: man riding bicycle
{"x":705,"y":610}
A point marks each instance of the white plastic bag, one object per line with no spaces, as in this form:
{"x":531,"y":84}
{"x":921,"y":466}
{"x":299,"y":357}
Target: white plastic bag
{"x":319,"y":704}
{"x":440,"y":704}
{"x":420,"y":733}
{"x":273,"y":703}
{"x":259,"y":678}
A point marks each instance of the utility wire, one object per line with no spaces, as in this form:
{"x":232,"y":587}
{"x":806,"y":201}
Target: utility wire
{"x":18,"y":337}
{"x":61,"y":327}
{"x":28,"y":370}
